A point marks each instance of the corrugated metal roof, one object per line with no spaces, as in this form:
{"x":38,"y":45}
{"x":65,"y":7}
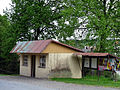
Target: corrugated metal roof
{"x":95,"y":54}
{"x":36,"y":46}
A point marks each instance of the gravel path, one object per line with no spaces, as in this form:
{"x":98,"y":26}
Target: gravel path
{"x":42,"y":84}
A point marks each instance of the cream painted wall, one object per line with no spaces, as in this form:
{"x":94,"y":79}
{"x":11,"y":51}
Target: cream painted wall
{"x":56,"y":48}
{"x":41,"y":72}
{"x":66,"y":60}
{"x":54,"y":61}
{"x":75,"y":65}
{"x":25,"y":70}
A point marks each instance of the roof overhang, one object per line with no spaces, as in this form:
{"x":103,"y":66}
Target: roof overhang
{"x":96,"y":55}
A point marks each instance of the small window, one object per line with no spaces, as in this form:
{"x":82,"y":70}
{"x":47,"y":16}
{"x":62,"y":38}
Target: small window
{"x":94,"y":63}
{"x":86,"y":62}
{"x":25,"y":60}
{"x":42,"y":62}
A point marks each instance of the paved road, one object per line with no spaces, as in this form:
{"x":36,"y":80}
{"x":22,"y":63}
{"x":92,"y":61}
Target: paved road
{"x":25,"y":83}
{"x":9,"y":85}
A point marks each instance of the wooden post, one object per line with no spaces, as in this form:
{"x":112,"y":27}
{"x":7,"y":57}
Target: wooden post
{"x":90,"y":65}
{"x":83,"y":59}
{"x":97,"y":68}
{"x":98,"y":75}
{"x":115,"y":76}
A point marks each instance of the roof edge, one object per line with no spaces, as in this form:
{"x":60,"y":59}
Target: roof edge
{"x":46,"y":43}
{"x":100,"y":54}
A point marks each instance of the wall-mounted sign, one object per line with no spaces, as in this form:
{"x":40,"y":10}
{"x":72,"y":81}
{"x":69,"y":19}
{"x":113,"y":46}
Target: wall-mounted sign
{"x":101,"y":68}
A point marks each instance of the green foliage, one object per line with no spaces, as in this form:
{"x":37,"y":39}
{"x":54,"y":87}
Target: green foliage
{"x":8,"y":62}
{"x":37,"y":16}
{"x":100,"y":17}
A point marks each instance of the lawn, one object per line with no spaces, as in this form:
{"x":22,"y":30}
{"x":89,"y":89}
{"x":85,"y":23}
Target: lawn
{"x":90,"y":80}
{"x":8,"y":74}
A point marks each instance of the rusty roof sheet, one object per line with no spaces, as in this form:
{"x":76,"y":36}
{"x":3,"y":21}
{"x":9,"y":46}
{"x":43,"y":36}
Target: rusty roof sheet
{"x":96,"y":54}
{"x":36,"y":46}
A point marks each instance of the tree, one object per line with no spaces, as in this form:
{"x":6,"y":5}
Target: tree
{"x":100,"y":17}
{"x":35,"y":19}
{"x":8,"y":62}
{"x":3,"y":26}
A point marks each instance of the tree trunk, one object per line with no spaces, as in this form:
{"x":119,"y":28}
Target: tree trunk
{"x":37,"y":33}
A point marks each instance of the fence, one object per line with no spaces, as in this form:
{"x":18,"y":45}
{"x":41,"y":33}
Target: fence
{"x":97,"y":73}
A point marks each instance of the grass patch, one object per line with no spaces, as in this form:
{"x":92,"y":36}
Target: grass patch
{"x":90,"y":80}
{"x":9,"y":74}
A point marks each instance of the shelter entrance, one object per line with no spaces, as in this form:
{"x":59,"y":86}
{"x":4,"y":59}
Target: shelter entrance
{"x":33,"y":61}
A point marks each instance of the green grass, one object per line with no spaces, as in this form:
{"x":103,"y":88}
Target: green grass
{"x":9,"y":75}
{"x":90,"y":80}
